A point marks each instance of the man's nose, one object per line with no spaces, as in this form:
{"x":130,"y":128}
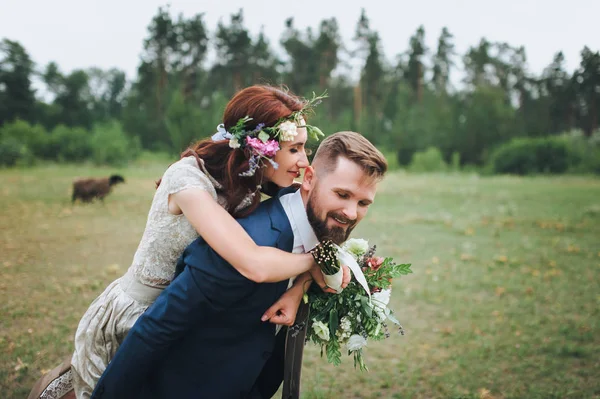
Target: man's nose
{"x":350,"y":211}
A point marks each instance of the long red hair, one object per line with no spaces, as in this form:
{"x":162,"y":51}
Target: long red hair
{"x":264,"y":104}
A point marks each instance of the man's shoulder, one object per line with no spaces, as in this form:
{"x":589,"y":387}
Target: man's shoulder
{"x":263,"y":214}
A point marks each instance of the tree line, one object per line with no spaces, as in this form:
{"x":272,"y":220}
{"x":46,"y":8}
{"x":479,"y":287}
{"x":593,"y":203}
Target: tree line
{"x":405,"y":104}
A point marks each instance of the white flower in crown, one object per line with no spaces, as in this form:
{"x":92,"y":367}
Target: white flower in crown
{"x":356,"y":342}
{"x":321,"y":330}
{"x":234,"y":143}
{"x":287,"y":131}
{"x":356,"y":246}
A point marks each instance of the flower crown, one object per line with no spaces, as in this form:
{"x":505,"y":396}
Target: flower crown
{"x":264,"y":141}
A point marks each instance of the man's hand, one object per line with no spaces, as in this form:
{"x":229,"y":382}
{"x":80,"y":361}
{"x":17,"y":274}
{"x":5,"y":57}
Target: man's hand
{"x":317,"y":276}
{"x":284,"y":311}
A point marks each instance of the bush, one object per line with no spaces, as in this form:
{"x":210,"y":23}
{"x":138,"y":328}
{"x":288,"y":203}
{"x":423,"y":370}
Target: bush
{"x":69,"y":144}
{"x":110,"y":145}
{"x":13,"y":152}
{"x":430,"y":160}
{"x":524,"y":156}
{"x":34,"y":137}
{"x":391,"y":159}
{"x":585,"y":151}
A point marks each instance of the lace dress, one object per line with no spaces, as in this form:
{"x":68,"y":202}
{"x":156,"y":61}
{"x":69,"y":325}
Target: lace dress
{"x":110,"y":317}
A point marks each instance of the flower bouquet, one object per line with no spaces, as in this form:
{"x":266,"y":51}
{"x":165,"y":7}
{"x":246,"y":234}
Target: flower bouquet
{"x":358,"y":313}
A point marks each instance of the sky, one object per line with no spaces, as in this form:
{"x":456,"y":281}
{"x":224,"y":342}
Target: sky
{"x":110,"y":33}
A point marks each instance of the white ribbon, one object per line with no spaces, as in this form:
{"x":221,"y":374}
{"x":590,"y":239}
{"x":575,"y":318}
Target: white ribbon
{"x":221,"y":134}
{"x":346,"y":259}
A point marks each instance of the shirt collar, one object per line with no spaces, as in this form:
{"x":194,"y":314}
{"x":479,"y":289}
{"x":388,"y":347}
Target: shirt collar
{"x":305,"y":230}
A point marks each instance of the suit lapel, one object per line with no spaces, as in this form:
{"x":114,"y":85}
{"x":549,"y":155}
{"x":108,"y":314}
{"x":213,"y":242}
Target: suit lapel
{"x":280,"y":222}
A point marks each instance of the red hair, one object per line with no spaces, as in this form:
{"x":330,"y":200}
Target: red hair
{"x":264,"y":104}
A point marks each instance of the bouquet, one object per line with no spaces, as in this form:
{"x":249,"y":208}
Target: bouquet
{"x":358,"y":313}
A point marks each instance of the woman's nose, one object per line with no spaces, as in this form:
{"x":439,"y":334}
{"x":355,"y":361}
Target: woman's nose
{"x":303,"y":161}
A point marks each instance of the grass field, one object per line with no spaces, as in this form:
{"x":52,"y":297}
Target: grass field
{"x":503,"y":303}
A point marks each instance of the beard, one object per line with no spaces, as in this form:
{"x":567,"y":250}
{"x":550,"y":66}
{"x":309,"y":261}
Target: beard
{"x":323,"y":232}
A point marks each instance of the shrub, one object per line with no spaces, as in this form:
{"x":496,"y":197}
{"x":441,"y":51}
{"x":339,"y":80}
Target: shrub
{"x":523,"y":156}
{"x":110,"y":145}
{"x":430,"y":160}
{"x":69,"y":144}
{"x":14,"y":152}
{"x":34,"y":137}
{"x":585,"y":151}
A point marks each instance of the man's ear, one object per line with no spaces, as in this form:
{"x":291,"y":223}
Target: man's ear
{"x":309,"y":178}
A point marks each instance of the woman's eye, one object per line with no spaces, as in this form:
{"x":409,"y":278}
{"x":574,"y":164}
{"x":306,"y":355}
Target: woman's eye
{"x":294,"y":150}
{"x":342,"y":196}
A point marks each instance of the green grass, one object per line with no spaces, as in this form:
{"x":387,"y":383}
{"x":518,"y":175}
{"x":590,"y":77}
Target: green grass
{"x":503,"y":303}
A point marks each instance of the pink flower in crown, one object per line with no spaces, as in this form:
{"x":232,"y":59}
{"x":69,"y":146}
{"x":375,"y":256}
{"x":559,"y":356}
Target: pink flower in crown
{"x":267,"y":149}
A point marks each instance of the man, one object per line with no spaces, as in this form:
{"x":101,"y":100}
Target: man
{"x":204,"y":337}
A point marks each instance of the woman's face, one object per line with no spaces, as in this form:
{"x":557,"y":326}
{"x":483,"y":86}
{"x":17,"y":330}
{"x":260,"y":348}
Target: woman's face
{"x":291,"y":158}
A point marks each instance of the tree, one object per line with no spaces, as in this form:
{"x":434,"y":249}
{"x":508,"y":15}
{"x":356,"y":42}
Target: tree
{"x":303,"y":73}
{"x":17,"y":98}
{"x":264,"y":64}
{"x":475,"y":62}
{"x":416,"y":70}
{"x":234,"y":48}
{"x":557,"y":86}
{"x":442,"y":62}
{"x":373,"y":71}
{"x":326,"y":48}
{"x":107,"y":91}
{"x":588,"y":79}
{"x":190,"y":54}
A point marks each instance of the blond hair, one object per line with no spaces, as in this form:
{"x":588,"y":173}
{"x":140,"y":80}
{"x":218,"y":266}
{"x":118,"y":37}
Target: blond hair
{"x":354,"y":147}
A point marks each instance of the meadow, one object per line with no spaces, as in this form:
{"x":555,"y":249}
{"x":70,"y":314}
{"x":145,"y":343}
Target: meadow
{"x":503,"y":302}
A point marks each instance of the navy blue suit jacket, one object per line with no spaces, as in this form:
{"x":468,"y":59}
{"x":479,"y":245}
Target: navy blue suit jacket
{"x":203,"y":337}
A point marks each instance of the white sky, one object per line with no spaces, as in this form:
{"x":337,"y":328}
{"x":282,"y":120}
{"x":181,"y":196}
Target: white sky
{"x":109,"y":33}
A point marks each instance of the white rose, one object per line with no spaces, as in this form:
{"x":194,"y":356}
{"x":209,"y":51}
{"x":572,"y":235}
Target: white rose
{"x":287,"y":131}
{"x":356,"y":342}
{"x":234,"y":143}
{"x":379,"y":302}
{"x":356,"y":246}
{"x":321,"y":330}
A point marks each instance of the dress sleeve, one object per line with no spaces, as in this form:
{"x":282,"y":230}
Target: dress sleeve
{"x":183,"y":175}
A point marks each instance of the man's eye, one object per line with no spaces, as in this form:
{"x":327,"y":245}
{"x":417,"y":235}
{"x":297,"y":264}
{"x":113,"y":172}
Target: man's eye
{"x":343,"y":195}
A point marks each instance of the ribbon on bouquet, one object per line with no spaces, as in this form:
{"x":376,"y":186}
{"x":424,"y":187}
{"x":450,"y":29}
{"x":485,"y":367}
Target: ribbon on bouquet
{"x":335,"y":281}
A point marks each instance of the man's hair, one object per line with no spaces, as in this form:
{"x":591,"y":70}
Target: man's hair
{"x":354,"y":147}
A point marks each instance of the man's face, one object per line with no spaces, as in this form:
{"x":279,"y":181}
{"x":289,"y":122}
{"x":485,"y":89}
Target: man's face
{"x":338,"y":200}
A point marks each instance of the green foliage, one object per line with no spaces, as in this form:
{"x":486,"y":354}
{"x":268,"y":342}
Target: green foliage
{"x":14,"y":152}
{"x":430,"y":160}
{"x":391,"y":158}
{"x":110,"y":145}
{"x":34,"y":137}
{"x":524,"y":156}
{"x":585,"y":151}
{"x":70,"y":144}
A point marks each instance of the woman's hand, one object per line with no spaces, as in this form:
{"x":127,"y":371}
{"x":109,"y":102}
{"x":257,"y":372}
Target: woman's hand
{"x":318,"y":278}
{"x":284,"y":311}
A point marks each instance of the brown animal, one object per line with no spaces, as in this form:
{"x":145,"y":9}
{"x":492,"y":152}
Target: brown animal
{"x":90,"y":188}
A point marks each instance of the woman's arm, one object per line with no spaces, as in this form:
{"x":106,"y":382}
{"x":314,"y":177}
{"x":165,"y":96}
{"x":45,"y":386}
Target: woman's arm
{"x":221,"y":231}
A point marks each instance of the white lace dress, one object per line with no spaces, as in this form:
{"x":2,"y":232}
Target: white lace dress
{"x":110,"y":317}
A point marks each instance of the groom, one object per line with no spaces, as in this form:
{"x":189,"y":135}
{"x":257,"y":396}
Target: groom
{"x":203,"y":337}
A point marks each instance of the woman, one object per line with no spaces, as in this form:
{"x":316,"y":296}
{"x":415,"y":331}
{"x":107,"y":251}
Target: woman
{"x":261,"y":142}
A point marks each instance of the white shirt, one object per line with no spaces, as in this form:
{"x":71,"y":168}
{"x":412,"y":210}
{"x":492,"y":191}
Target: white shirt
{"x":304,"y":236}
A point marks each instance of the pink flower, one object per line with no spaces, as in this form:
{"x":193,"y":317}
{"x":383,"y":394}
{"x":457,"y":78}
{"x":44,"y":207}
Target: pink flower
{"x":267,"y":149}
{"x":375,"y":262}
